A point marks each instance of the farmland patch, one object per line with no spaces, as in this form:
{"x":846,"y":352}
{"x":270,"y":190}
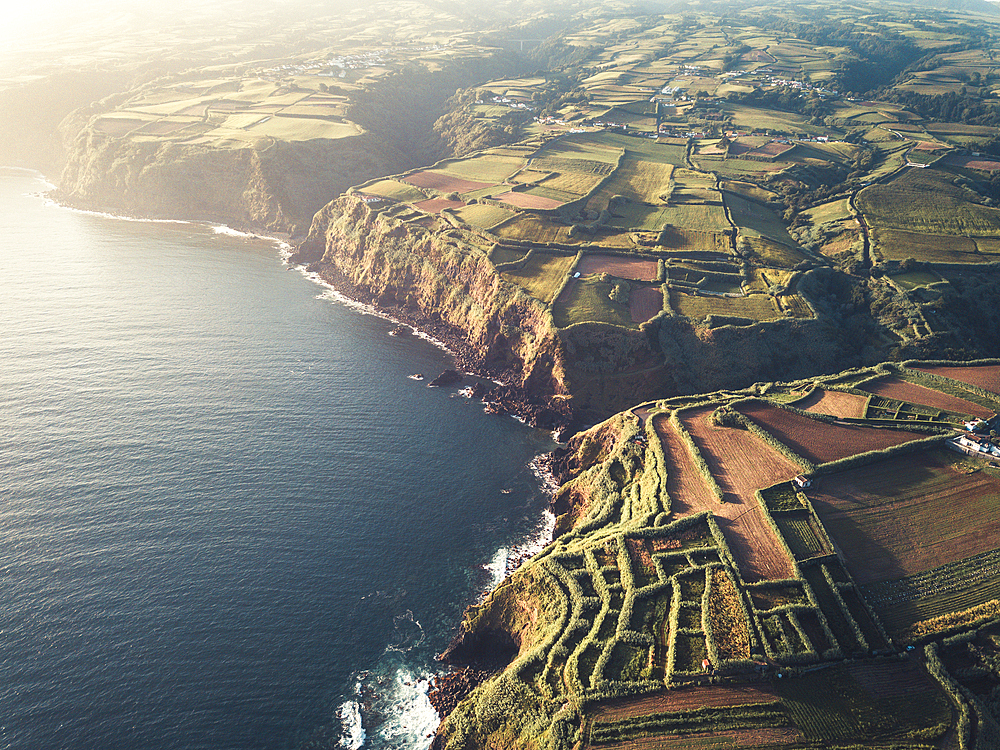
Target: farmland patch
{"x":908,"y":514}
{"x":834,"y":403}
{"x":821,"y":442}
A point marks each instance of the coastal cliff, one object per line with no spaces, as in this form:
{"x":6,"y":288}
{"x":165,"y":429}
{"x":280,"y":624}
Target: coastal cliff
{"x":276,"y":186}
{"x":444,"y":284}
{"x":426,"y":272}
{"x":261,"y":182}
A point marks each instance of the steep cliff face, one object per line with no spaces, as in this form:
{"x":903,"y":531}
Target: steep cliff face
{"x":277,"y":186}
{"x":443,"y":284}
{"x":271,"y":184}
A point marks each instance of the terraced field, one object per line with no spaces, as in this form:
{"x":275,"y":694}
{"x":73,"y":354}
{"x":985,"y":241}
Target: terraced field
{"x":834,"y":403}
{"x":821,"y":442}
{"x":909,"y":515}
{"x":742,"y":464}
{"x":902,"y":390}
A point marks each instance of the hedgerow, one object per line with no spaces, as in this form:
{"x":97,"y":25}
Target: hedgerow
{"x":869,"y":457}
{"x":751,"y":426}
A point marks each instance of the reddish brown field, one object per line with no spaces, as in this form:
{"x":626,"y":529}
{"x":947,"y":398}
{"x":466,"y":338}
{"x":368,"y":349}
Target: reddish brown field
{"x":527,"y":200}
{"x":685,"y":699}
{"x":752,"y":738}
{"x":444,"y":182}
{"x":834,"y":403}
{"x":644,"y":303}
{"x":688,"y":492}
{"x":893,"y":387}
{"x":971,"y":162}
{"x":819,"y":442}
{"x":986,"y":377}
{"x":637,"y":269}
{"x":566,"y":293}
{"x":908,"y":514}
{"x":741,"y":464}
{"x":435,"y":205}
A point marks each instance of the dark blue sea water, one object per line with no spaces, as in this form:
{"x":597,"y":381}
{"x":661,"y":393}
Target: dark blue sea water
{"x":228,"y":519}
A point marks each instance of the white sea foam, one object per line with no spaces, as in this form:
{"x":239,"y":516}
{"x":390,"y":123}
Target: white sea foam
{"x":352,"y":736}
{"x":282,"y":245}
{"x":332,"y":294}
{"x":116,"y":217}
{"x":410,"y":719}
{"x":497,"y":568}
{"x":395,"y":699}
{"x":408,"y":633}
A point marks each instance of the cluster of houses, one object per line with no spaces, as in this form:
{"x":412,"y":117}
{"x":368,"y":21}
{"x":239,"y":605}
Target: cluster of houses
{"x":979,"y":437}
{"x":506,"y":101}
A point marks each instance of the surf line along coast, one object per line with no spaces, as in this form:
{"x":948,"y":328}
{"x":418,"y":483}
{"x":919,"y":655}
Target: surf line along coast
{"x":534,"y":398}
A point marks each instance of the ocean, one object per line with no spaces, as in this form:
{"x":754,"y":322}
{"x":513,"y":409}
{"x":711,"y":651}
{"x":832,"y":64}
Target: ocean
{"x":230,"y":516}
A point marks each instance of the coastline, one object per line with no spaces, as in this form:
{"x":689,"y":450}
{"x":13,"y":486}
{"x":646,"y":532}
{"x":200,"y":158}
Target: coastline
{"x":499,"y":399}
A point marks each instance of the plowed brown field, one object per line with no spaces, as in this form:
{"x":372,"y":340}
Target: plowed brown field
{"x":685,"y":699}
{"x":893,"y":387}
{"x":435,"y":205}
{"x":908,"y":514}
{"x":637,"y":269}
{"x":892,"y":679}
{"x":444,"y":182}
{"x":986,"y":377}
{"x":820,"y":442}
{"x":644,"y":303}
{"x":752,"y":738}
{"x":834,"y":403}
{"x":687,"y":489}
{"x":742,"y":464}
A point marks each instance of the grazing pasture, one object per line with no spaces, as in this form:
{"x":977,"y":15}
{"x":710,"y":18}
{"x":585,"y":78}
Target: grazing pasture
{"x":541,"y":275}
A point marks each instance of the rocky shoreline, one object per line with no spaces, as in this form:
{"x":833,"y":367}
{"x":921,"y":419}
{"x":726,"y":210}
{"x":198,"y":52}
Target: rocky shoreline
{"x":500,"y":397}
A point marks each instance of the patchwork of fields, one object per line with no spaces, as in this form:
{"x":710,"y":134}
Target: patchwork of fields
{"x":708,"y":600}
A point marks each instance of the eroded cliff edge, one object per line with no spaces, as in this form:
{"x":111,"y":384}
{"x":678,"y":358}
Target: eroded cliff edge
{"x":220,"y":168}
{"x":447,"y":286}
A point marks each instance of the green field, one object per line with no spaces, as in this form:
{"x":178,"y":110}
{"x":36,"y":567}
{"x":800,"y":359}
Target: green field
{"x":892,"y":244}
{"x":638,"y":180}
{"x":589,"y":301}
{"x":755,"y":220}
{"x":927,"y":201}
{"x":396,"y":190}
{"x":754,"y":307}
{"x":484,"y":168}
{"x":542,"y":274}
{"x":482,"y":215}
